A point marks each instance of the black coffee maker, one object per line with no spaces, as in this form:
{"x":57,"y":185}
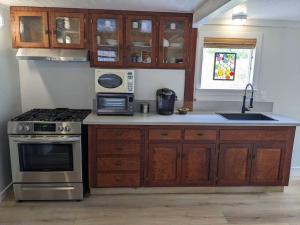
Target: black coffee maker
{"x":165,"y":101}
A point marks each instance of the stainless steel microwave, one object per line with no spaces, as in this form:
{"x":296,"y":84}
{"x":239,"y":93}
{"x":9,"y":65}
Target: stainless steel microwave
{"x":115,"y":104}
{"x":114,"y":81}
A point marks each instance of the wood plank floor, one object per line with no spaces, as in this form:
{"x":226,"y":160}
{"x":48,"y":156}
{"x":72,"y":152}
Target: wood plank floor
{"x":161,"y":209}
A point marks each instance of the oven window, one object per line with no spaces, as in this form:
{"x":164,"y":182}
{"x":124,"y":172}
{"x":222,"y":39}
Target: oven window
{"x":46,"y":157}
{"x":112,"y":103}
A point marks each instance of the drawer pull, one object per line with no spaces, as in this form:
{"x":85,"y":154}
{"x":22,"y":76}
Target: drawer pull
{"x":118,"y":179}
{"x":118,"y":163}
{"x":164,"y":134}
{"x":200,"y":134}
{"x":119,"y":148}
{"x":119,"y":134}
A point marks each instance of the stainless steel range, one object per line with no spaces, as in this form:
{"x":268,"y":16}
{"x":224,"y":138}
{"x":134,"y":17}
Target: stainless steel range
{"x":47,"y":147}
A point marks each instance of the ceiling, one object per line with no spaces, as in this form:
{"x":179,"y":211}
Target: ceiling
{"x":137,"y":5}
{"x":287,"y":10}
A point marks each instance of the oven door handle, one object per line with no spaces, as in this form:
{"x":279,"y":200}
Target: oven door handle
{"x":46,"y":139}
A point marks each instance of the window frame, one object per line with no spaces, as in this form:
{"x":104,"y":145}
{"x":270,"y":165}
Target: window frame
{"x":199,"y":92}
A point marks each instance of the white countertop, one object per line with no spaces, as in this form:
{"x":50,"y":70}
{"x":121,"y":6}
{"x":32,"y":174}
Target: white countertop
{"x":207,"y":119}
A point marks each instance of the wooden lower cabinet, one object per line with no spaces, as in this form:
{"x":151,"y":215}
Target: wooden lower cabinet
{"x":267,"y":164}
{"x":197,"y":164}
{"x":234,"y":164}
{"x":164,"y":164}
{"x":170,"y":156}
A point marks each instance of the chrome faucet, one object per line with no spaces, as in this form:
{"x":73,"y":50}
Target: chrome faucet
{"x":244,"y":108}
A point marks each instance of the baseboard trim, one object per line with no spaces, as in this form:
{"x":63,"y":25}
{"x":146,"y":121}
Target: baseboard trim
{"x":295,"y":173}
{"x":186,"y":190}
{"x":5,"y":191}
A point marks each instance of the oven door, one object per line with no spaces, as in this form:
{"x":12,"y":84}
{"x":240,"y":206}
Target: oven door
{"x":46,"y":158}
{"x":116,"y":104}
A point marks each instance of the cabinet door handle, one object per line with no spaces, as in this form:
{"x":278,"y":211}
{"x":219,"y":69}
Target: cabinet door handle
{"x":164,"y":134}
{"x":119,"y":148}
{"x":200,"y":134}
{"x":254,"y":155}
{"x":119,"y":179}
{"x":119,"y":133}
{"x":118,"y":163}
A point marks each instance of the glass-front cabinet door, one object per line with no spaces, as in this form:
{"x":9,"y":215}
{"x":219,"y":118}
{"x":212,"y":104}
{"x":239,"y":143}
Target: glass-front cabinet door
{"x":68,"y":30}
{"x":140,"y":41}
{"x":173,"y":42}
{"x":30,"y":29}
{"x":107,"y":40}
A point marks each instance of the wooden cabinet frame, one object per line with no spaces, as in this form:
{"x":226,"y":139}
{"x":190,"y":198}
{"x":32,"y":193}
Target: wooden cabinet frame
{"x":187,"y":26}
{"x":17,"y":42}
{"x":82,"y":17}
{"x":128,"y":29}
{"x":179,"y":142}
{"x":93,"y":44}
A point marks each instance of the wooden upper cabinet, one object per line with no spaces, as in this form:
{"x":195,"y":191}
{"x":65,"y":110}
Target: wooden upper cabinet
{"x":141,"y":32}
{"x":197,"y":164}
{"x":234,"y":164}
{"x":30,"y":29}
{"x":68,"y":30}
{"x":107,"y":40}
{"x":48,"y":28}
{"x":267,"y":164}
{"x":173,"y":42}
{"x":164,"y":164}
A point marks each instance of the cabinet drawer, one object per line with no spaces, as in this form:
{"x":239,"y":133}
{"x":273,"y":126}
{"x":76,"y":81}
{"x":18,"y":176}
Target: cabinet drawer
{"x":164,"y":134}
{"x":118,"y":148}
{"x":115,"y":164}
{"x":118,"y":180}
{"x":200,"y":134}
{"x":119,"y":134}
{"x":254,"y":135}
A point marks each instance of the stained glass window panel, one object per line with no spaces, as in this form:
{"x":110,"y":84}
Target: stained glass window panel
{"x":224,"y":66}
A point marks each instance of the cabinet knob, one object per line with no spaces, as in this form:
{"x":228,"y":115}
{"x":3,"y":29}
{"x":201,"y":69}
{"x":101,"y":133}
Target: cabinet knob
{"x":119,"y":148}
{"x":118,"y":163}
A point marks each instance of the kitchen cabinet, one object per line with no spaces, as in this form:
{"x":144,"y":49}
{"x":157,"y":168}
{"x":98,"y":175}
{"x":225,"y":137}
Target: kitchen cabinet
{"x":141,"y":39}
{"x":67,"y":30}
{"x":197,"y":164}
{"x":48,"y":28}
{"x":164,"y":164}
{"x":234,"y":164}
{"x":267,"y":164}
{"x":107,"y":46}
{"x":173,"y":42}
{"x":30,"y":29}
{"x":174,"y":156}
{"x":115,"y":156}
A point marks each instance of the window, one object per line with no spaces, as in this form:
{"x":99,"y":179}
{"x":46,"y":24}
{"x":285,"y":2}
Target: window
{"x":227,"y":63}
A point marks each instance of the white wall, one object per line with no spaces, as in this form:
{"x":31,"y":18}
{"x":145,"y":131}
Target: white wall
{"x":47,"y":84}
{"x":9,"y":98}
{"x":279,"y":71}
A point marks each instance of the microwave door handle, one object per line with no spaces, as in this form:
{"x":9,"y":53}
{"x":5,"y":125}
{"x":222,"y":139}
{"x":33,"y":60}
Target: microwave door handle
{"x":47,"y":140}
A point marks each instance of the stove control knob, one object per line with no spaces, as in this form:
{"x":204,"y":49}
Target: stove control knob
{"x":60,"y":128}
{"x":67,"y":128}
{"x":27,"y":128}
{"x":20,"y":127}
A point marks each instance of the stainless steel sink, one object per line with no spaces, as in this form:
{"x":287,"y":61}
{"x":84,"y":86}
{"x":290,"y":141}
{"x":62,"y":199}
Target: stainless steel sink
{"x":245,"y":116}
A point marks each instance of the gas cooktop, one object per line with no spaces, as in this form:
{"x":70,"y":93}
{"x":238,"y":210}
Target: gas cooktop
{"x":53,"y":115}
